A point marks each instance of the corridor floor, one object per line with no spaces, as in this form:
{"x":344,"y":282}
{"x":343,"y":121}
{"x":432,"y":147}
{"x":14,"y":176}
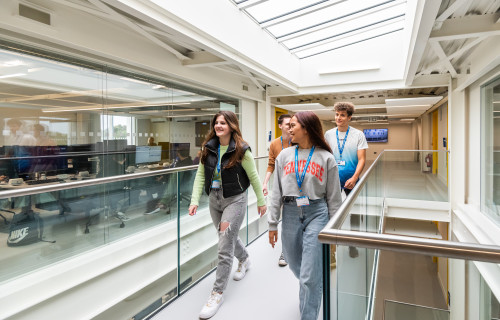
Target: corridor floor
{"x":267,"y":291}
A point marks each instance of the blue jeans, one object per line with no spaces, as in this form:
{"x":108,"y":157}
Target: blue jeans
{"x":303,"y":251}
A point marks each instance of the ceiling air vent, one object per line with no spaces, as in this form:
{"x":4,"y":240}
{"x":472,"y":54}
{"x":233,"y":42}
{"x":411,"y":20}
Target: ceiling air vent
{"x":34,"y":14}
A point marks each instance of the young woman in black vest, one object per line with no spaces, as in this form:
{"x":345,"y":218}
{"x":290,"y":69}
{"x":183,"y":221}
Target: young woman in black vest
{"x":226,"y":170}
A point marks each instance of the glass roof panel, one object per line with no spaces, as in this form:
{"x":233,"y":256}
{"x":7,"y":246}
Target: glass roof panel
{"x":346,"y":28}
{"x":310,"y":27}
{"x":326,"y":16}
{"x":276,"y":8}
{"x":346,"y":41}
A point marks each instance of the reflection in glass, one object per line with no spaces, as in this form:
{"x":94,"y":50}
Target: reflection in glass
{"x":490,"y":152}
{"x":65,"y":120}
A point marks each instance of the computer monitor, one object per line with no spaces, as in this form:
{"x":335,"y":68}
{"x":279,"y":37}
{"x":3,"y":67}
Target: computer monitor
{"x":147,"y":154}
{"x":80,"y":160}
{"x":376,"y":135}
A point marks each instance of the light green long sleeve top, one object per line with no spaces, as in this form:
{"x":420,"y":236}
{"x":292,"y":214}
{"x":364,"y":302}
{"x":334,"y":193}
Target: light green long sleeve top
{"x":248,"y":165}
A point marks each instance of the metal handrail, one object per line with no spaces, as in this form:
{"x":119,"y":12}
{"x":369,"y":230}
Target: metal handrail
{"x":95,"y":181}
{"x":332,"y":234}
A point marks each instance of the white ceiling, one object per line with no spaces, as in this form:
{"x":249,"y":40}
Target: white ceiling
{"x":382,"y":49}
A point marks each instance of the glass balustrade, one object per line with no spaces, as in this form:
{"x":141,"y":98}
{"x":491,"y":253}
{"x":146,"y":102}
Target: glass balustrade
{"x":352,"y":294}
{"x":418,"y":175}
{"x":391,"y":285}
{"x":399,"y":196}
{"x":76,"y":221}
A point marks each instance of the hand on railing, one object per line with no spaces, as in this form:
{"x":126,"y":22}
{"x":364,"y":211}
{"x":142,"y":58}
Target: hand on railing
{"x":262,"y":210}
{"x":350,"y":183}
{"x":192,"y":210}
{"x":273,"y":237}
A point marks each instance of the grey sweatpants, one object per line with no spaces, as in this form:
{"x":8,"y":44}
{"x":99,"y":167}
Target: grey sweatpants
{"x":231,"y":210}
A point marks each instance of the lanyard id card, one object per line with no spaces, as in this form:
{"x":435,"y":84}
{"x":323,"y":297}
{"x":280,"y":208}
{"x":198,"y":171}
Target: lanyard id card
{"x":289,"y":142}
{"x":341,"y":148}
{"x":302,"y":201}
{"x":216,"y":184}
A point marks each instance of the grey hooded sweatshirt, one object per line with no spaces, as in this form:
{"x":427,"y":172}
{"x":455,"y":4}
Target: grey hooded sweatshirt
{"x":321,"y":181}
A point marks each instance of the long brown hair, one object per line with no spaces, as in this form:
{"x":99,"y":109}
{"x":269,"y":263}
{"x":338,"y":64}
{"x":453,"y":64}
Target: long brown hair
{"x":310,"y":121}
{"x":232,"y":121}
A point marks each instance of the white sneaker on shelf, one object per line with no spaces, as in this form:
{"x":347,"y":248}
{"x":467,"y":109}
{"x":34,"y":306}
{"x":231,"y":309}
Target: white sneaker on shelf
{"x":282,"y":262}
{"x":213,"y":304}
{"x":120,"y":215}
{"x":152,"y":212}
{"x":242,"y":269}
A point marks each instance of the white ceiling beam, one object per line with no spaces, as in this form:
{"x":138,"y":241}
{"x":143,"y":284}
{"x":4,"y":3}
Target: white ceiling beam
{"x":480,"y":73}
{"x":84,"y":8}
{"x":448,"y":12}
{"x":422,"y":27}
{"x":467,"y":27}
{"x":137,"y":28}
{"x":225,"y":68}
{"x":431,"y":80}
{"x":456,"y":54}
{"x":203,"y":59}
{"x":107,"y":16}
{"x":171,"y":37}
{"x":252,"y":78}
{"x":442,"y":57}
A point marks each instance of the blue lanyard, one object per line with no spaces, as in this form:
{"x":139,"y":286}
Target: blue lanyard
{"x":282,"y":143}
{"x":301,"y":179}
{"x":218,"y":160}
{"x":341,"y":149}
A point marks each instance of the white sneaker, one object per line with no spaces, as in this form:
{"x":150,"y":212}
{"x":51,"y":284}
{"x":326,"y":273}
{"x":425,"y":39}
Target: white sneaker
{"x":120,"y":215}
{"x":213,"y":304}
{"x":153,"y":211}
{"x":242,"y":270}
{"x":282,"y":262}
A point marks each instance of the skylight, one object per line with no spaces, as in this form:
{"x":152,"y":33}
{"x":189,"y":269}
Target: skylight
{"x":311,"y":27}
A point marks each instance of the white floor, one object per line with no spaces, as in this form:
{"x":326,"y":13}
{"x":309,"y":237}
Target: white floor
{"x":267,"y":291}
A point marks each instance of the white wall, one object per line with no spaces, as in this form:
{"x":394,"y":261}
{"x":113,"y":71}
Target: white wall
{"x":248,"y":123}
{"x":442,"y":133}
{"x":468,"y":223}
{"x":474,"y":154}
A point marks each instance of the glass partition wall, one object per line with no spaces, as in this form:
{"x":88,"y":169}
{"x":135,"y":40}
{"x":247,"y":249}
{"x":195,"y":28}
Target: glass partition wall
{"x":490,"y":150}
{"x":65,"y":121}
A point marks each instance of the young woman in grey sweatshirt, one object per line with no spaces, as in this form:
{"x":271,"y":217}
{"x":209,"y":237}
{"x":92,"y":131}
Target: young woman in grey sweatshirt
{"x":306,"y":183}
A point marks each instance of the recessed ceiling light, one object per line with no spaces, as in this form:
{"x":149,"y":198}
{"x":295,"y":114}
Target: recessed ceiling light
{"x":12,"y":75}
{"x":418,"y":101}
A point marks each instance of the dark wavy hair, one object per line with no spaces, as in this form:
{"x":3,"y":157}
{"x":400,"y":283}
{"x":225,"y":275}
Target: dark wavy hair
{"x":310,"y":121}
{"x":232,"y":121}
{"x":344,"y":106}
